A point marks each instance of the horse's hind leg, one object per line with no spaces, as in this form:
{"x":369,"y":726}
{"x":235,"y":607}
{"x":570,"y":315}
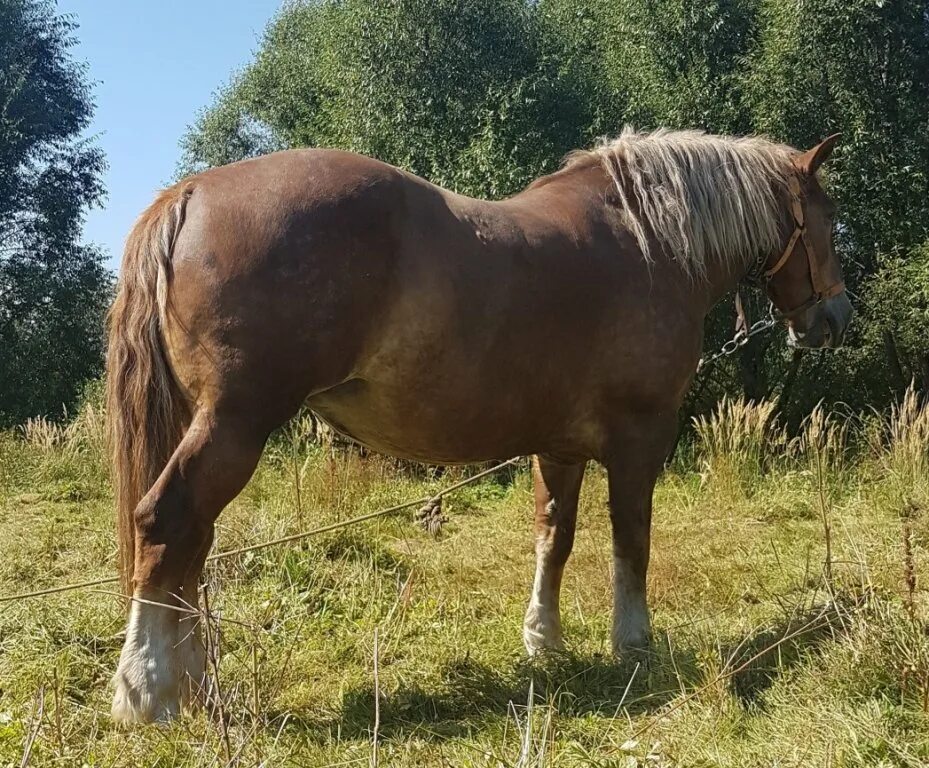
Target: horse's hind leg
{"x":557,"y":488}
{"x":174,"y":529}
{"x":190,"y":649}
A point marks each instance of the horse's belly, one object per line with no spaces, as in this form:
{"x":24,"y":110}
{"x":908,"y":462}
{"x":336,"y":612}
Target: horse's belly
{"x":436,"y":430}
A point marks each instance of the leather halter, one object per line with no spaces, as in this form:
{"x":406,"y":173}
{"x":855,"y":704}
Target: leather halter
{"x":821,"y":290}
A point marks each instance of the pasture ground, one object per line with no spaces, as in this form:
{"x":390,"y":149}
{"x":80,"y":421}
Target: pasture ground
{"x":760,"y":658}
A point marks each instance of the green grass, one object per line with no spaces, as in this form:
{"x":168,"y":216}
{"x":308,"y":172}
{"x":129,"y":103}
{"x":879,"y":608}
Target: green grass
{"x":757,"y":660}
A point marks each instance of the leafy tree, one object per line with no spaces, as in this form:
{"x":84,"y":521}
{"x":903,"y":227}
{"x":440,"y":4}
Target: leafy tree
{"x":860,"y":67}
{"x":677,"y":62}
{"x":53,"y":291}
{"x":463,"y":92}
{"x":484,"y":95}
{"x":896,"y":321}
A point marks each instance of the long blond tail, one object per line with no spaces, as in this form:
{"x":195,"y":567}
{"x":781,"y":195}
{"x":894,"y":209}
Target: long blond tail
{"x":146,"y":411}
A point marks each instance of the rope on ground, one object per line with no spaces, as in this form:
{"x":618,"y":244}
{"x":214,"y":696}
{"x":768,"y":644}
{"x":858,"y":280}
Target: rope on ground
{"x":425,"y":502}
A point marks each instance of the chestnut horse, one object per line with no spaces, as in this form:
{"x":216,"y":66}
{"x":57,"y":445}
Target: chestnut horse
{"x":565,"y":322}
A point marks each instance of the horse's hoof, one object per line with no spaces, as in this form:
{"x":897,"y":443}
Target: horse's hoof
{"x":631,"y":637}
{"x":541,"y":635}
{"x":624,"y":651}
{"x":143,"y":702}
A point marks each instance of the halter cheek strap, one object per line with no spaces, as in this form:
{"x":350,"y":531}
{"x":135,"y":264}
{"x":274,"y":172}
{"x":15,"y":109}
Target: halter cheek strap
{"x":821,"y":289}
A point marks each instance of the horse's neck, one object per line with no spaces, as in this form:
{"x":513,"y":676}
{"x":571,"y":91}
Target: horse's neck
{"x":587,"y":184}
{"x":721,"y":279}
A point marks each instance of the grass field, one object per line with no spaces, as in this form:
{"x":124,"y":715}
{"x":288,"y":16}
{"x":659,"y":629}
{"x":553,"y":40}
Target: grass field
{"x":766,"y":653}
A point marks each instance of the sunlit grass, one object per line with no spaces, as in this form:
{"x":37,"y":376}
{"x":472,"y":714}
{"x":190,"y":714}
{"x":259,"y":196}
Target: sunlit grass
{"x":757,"y":659}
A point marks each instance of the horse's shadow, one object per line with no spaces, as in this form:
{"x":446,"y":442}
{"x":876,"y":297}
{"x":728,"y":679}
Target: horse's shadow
{"x":761,"y":658}
{"x":471,"y":693}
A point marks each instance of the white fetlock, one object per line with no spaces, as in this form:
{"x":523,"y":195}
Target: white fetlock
{"x":147,"y":679}
{"x":631,"y":625}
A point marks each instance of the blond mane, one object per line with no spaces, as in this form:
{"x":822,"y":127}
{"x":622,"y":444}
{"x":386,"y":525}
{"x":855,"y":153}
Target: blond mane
{"x":704,"y":198}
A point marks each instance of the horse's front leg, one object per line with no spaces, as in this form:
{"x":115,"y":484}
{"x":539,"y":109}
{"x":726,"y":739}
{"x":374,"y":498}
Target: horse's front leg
{"x":557,"y":488}
{"x":633,"y":469}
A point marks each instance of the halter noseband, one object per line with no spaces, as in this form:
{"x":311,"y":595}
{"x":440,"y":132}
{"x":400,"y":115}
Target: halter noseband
{"x":821,"y":290}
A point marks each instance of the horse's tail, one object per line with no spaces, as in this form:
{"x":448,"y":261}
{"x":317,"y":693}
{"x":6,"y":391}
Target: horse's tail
{"x":146,"y":411}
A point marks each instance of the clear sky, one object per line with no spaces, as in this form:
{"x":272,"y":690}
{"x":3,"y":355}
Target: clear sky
{"x":154,"y":64}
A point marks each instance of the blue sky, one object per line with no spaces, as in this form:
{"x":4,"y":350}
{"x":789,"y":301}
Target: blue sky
{"x":154,"y":65}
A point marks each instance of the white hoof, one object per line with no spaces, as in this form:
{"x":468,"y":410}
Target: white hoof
{"x":147,"y":679}
{"x":541,"y":631}
{"x":142,"y":700}
{"x":631,"y":631}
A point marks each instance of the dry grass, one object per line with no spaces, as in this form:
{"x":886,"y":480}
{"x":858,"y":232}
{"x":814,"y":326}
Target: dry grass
{"x":757,"y":660}
{"x":737,"y":440}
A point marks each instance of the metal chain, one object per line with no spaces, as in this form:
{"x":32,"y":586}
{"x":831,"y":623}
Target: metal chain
{"x":738,"y":341}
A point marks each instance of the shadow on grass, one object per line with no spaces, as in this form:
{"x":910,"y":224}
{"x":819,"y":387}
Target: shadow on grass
{"x":767,"y":654}
{"x":472,"y":695}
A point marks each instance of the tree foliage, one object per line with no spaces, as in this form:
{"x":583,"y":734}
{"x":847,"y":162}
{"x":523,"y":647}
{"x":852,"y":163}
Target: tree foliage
{"x":52,"y":290}
{"x":464,"y":93}
{"x":483,"y":95}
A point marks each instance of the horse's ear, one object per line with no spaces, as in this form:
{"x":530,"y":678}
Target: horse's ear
{"x":810,"y":160}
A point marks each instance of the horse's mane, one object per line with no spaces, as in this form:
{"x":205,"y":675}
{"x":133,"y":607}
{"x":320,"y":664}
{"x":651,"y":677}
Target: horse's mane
{"x":704,"y":198}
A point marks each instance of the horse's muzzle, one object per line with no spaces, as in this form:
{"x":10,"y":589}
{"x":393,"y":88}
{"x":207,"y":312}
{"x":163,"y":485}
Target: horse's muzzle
{"x":823,"y":325}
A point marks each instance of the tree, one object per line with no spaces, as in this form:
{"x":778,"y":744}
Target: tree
{"x":860,"y":67}
{"x":463,"y":92}
{"x":53,"y":291}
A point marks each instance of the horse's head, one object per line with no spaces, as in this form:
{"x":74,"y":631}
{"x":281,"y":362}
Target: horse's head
{"x":804,"y":280}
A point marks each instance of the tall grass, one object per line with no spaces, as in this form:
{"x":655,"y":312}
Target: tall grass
{"x":737,"y":440}
{"x":901,"y":446}
{"x":822,"y":445}
{"x":70,"y":458}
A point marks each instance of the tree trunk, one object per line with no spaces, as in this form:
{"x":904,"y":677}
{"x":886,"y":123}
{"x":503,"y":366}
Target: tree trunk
{"x":893,"y":361}
{"x":784,"y":398}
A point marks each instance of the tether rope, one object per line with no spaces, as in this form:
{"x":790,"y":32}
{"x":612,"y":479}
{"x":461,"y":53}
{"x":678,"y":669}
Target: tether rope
{"x":283,"y":540}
